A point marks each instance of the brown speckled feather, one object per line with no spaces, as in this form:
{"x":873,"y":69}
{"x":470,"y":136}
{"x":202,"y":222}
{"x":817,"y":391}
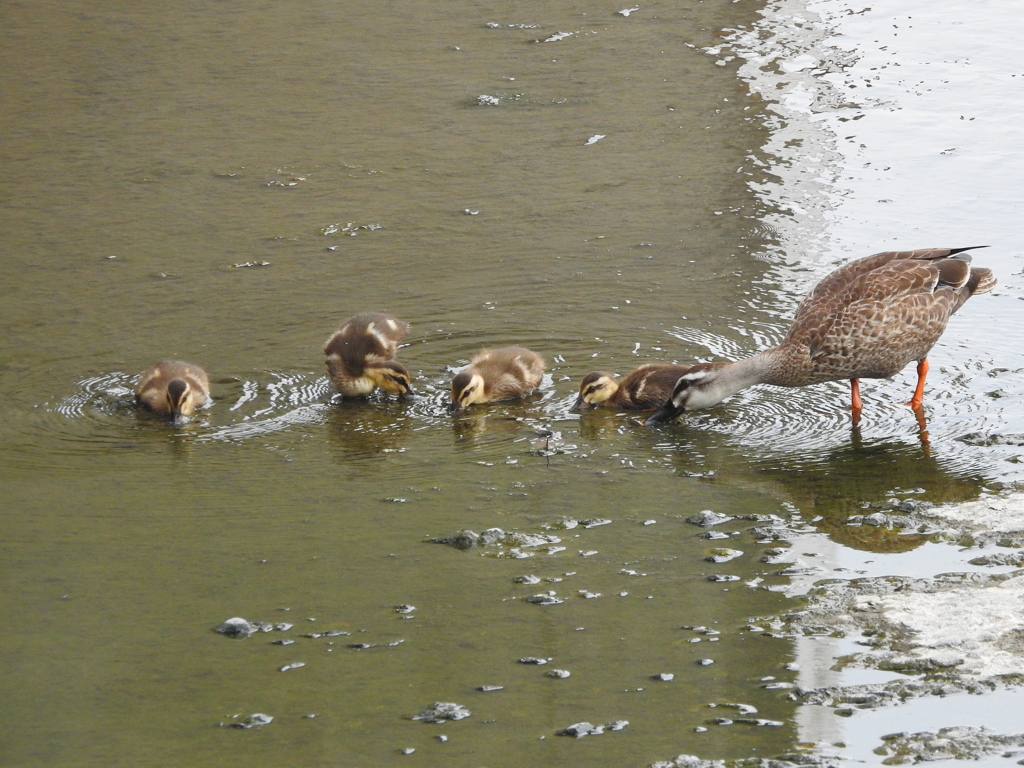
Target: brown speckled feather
{"x":366,"y":338}
{"x":508,"y":372}
{"x":874,"y":316}
{"x":648,"y":386}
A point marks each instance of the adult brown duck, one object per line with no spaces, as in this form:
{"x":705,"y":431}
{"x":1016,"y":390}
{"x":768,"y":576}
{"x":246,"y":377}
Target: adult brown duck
{"x":361,"y":355}
{"x":867,"y":320}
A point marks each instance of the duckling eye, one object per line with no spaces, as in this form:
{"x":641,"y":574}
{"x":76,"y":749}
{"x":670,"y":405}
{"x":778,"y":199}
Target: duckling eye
{"x":592,"y":389}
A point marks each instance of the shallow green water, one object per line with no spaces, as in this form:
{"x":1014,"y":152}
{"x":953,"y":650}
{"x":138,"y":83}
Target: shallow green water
{"x":226,"y":187}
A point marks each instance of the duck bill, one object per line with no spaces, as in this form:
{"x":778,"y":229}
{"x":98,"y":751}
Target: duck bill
{"x":579,"y":405}
{"x":664,"y":415}
{"x":408,"y":394}
{"x":179,"y":419}
{"x":455,"y":408}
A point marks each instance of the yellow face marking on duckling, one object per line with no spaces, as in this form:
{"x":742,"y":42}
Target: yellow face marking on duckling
{"x":391,"y":377}
{"x":595,"y":388}
{"x":467,"y":388}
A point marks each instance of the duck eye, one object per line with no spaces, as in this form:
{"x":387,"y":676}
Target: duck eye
{"x":592,"y":389}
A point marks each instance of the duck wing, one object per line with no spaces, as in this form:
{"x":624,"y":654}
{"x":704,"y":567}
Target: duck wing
{"x":840,"y":279}
{"x":874,"y":324}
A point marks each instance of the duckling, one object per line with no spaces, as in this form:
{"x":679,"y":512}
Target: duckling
{"x":361,"y":356}
{"x":498,"y":374}
{"x":868,"y":319}
{"x":174,"y":389}
{"x":644,"y":389}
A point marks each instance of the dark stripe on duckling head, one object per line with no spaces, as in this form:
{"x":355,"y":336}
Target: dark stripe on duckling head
{"x":462,"y":386}
{"x":176,"y":391}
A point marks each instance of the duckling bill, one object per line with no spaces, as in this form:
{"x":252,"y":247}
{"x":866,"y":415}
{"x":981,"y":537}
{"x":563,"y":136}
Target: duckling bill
{"x":498,"y":374}
{"x":361,"y":356}
{"x":173,"y":389}
{"x":866,"y":320}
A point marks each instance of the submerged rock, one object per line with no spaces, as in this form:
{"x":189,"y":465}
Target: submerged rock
{"x":442,"y":711}
{"x":242,"y":628}
{"x":707,"y":518}
{"x":579,"y":730}
{"x":568,"y":523}
{"x":782,"y":761}
{"x":958,"y":743}
{"x":496,"y":537}
{"x":723,"y":555}
{"x":526,"y":579}
{"x":236,"y":627}
{"x":545,"y":598}
{"x":256,"y":720}
{"x":365,"y":646}
{"x":462,"y":540}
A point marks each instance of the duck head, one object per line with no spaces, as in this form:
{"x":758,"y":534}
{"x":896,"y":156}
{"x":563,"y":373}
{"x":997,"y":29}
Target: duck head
{"x":181,"y":402}
{"x":467,"y":388}
{"x":595,"y":388}
{"x":392,"y":377}
{"x":700,"y":387}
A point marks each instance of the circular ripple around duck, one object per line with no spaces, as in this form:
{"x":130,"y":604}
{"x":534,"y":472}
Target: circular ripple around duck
{"x":97,"y":418}
{"x":101,"y":415}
